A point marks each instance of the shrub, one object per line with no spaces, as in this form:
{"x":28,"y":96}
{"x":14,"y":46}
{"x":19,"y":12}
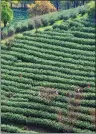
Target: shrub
{"x":64,"y":27}
{"x":18,"y":28}
{"x":48,"y":29}
{"x":52,"y":21}
{"x":91,"y":9}
{"x":60,"y":17}
{"x":65,"y":17}
{"x":76,"y":24}
{"x":83,"y":10}
{"x":4,"y":33}
{"x":44,"y":22}
{"x":11,"y":31}
{"x":57,"y":29}
{"x":73,"y":15}
{"x":31,"y":24}
{"x":9,"y":45}
{"x":55,"y":26}
{"x":40,"y":31}
{"x":24,"y":27}
{"x":73,"y":28}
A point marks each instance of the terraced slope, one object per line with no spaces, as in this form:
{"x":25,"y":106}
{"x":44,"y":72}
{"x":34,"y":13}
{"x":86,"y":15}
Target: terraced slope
{"x":61,"y":59}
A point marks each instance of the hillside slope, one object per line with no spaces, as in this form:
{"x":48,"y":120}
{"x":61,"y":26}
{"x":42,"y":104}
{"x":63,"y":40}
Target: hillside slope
{"x":60,"y":61}
{"x":47,"y":19}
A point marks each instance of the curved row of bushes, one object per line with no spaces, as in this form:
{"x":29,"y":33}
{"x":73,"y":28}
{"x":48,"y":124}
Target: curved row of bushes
{"x":48,"y":19}
{"x":32,"y":61}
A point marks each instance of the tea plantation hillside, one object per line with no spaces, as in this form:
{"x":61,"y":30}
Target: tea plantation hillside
{"x":48,"y":80}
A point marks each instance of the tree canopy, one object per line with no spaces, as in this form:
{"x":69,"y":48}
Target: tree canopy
{"x":41,"y":7}
{"x":6,"y":13}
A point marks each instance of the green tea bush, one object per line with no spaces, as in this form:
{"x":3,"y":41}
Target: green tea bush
{"x":11,"y":129}
{"x":11,"y":31}
{"x":75,"y":24}
{"x":52,"y":21}
{"x":18,"y":28}
{"x":64,"y":27}
{"x":24,"y":27}
{"x":44,"y":22}
{"x":73,"y":15}
{"x":4,"y":33}
{"x":48,"y":29}
{"x":55,"y":26}
{"x":63,"y":17}
{"x":60,"y":17}
{"x":83,"y":11}
{"x":31,"y":24}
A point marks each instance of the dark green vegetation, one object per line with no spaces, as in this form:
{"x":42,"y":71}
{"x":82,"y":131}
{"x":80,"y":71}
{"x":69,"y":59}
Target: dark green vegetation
{"x":7,"y":13}
{"x":47,"y":19}
{"x":61,"y":57}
